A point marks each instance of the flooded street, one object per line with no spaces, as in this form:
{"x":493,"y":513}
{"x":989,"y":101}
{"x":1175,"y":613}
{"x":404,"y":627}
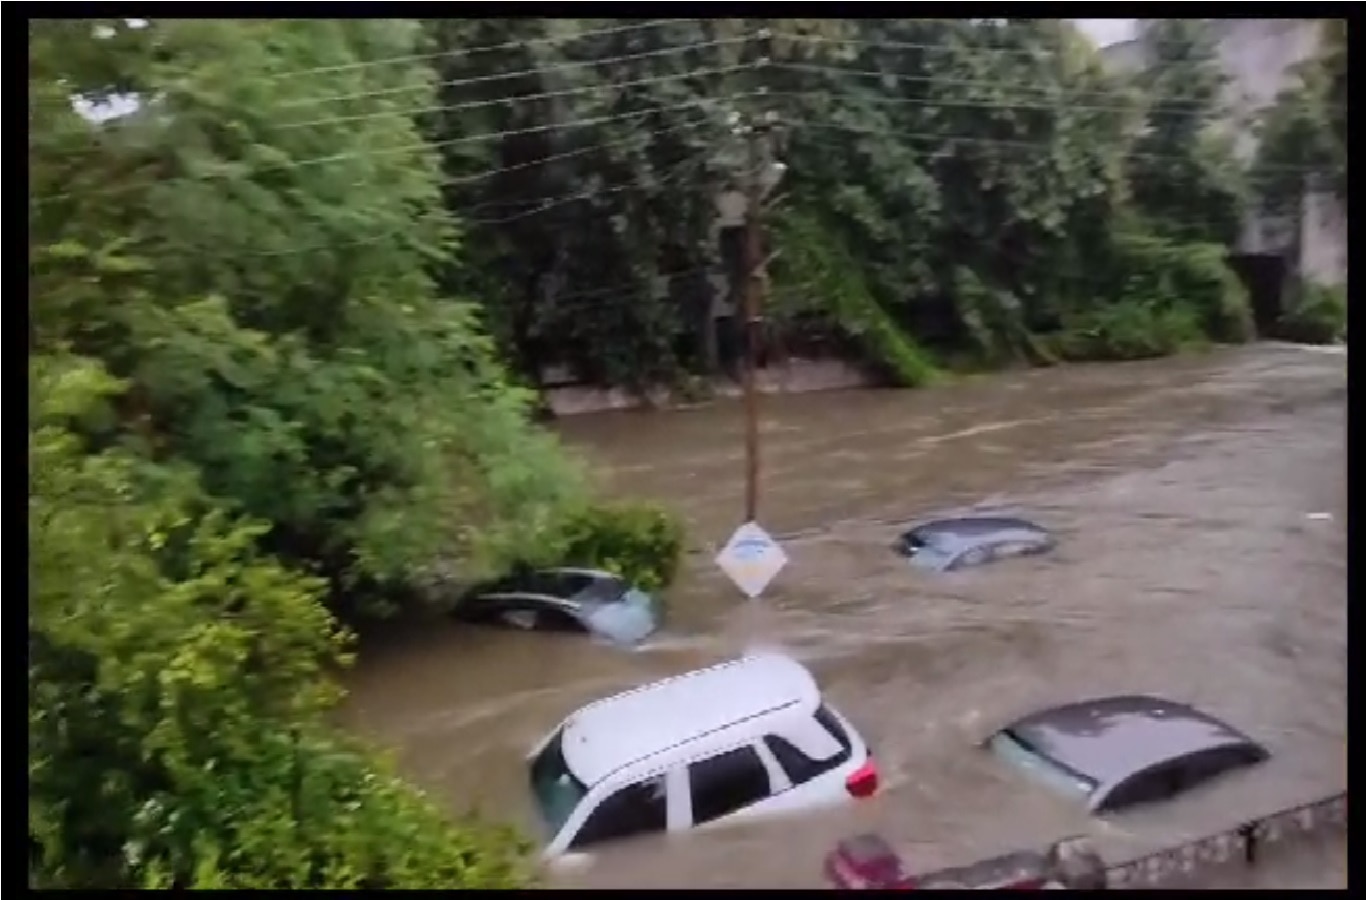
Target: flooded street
{"x":1188,"y":565}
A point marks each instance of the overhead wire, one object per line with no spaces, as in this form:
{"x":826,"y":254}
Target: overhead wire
{"x":414,"y":147}
{"x":487,"y":48}
{"x":1067,"y":98}
{"x":462,"y":106}
{"x":558,"y":67}
{"x":1042,"y":146}
{"x":545,"y":204}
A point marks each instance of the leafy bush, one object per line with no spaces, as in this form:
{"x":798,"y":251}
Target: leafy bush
{"x":825,"y":274}
{"x":1128,"y":330}
{"x":641,"y":542}
{"x":178,"y":682}
{"x":1318,"y":317}
{"x":1161,"y":270}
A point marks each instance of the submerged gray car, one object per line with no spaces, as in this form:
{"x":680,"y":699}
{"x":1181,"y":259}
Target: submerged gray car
{"x":943,"y":545}
{"x":563,"y":599}
{"x":1121,"y":751}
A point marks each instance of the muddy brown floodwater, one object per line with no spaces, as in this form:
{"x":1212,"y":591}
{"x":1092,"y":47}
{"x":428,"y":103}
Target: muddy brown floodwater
{"x":1189,"y":565}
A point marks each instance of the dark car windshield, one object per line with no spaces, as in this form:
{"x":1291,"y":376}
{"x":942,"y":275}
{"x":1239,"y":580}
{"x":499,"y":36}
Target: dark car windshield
{"x":555,"y":788}
{"x":606,"y":589}
{"x":1017,"y":751}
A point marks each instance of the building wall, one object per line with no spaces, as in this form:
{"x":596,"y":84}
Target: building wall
{"x":1323,"y":251}
{"x":1259,"y":56}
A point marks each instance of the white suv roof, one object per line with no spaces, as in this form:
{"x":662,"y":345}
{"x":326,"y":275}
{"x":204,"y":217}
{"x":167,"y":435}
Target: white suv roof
{"x":668,"y":719}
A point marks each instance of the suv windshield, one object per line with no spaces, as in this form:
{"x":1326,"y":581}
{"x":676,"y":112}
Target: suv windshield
{"x":1021,"y":754}
{"x":555,"y":788}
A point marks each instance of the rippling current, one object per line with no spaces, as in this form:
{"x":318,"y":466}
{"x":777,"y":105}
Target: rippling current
{"x":1201,"y":509}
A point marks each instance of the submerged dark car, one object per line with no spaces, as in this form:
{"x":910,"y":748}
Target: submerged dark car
{"x":1122,"y":751}
{"x":943,"y":545}
{"x":563,"y":599}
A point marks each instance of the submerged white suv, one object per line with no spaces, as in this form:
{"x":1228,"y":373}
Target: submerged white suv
{"x":742,"y":739}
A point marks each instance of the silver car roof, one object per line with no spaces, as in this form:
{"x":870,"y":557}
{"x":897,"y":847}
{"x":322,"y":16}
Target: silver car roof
{"x":1108,"y":739}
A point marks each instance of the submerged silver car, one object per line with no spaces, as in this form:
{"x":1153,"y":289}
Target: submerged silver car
{"x":563,"y":599}
{"x":944,"y":545}
{"x":1115,"y":752}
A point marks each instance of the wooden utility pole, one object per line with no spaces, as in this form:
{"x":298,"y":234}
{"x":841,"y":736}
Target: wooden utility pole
{"x":756,"y":287}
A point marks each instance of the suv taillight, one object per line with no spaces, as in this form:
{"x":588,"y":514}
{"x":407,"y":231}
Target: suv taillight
{"x":862,"y":782}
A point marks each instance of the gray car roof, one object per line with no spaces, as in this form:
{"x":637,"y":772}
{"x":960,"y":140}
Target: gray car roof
{"x":1111,"y":738}
{"x":973,"y":527}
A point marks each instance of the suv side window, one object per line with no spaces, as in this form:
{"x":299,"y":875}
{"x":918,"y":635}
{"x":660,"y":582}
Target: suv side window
{"x":727,"y":782}
{"x":551,"y":619}
{"x":635,"y":809}
{"x":800,"y":766}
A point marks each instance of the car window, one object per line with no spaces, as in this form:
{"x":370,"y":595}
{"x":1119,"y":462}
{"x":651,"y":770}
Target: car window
{"x":1176,"y":777}
{"x":556,"y":790}
{"x":551,"y":584}
{"x":552,"y":619}
{"x":599,"y":590}
{"x":1154,"y":785}
{"x":1015,"y":749}
{"x":727,"y":782}
{"x":807,"y":752}
{"x":635,"y":809}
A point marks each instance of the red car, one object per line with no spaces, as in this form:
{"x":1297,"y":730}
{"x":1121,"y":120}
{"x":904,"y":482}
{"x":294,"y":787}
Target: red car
{"x":867,"y":862}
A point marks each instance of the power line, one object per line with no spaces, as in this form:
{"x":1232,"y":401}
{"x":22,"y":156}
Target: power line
{"x":1065,"y":96}
{"x":400,"y":149}
{"x":950,"y":139}
{"x":468,"y":51}
{"x":543,"y":95}
{"x":510,"y":132}
{"x":634,"y":139}
{"x":504,"y":76}
{"x":1008,"y":103}
{"x":1032,"y":53}
{"x":546,"y":204}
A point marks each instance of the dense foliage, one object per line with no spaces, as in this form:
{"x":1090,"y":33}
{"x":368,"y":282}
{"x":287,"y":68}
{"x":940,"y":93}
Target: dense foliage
{"x":271,"y":307}
{"x":247,"y":399}
{"x":641,"y":542}
{"x":954,"y":187}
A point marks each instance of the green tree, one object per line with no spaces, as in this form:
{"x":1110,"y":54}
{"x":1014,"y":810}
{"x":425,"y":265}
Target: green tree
{"x":240,"y":380}
{"x":176,"y":686}
{"x":1185,"y":179}
{"x":951,"y":184}
{"x":279,"y":330}
{"x":581,"y":154}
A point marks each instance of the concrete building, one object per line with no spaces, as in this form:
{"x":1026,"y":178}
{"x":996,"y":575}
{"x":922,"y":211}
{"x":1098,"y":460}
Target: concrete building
{"x":1259,"y":56}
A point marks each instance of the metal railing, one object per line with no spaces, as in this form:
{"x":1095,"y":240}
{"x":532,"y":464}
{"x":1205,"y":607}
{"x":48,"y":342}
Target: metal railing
{"x":868,"y":862}
{"x":1243,"y":843}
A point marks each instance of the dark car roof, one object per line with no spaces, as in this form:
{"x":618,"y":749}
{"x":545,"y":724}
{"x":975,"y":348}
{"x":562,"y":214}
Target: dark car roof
{"x":1110,"y":738}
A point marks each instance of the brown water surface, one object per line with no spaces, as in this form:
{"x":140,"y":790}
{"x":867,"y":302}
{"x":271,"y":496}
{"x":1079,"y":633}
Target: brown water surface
{"x":1189,"y":565}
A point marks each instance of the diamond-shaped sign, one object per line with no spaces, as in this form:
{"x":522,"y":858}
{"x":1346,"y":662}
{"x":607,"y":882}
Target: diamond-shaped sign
{"x":751,"y":559}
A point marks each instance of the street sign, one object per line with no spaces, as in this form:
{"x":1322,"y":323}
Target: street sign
{"x":751,"y":559}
